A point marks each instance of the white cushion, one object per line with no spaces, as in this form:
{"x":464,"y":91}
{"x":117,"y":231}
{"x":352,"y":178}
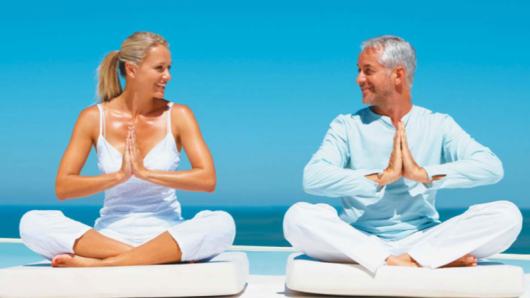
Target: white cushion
{"x":488,"y":280}
{"x":225,"y":274}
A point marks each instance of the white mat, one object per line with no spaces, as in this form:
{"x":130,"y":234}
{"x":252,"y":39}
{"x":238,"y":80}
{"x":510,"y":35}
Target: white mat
{"x":226,"y":274}
{"x":486,"y":280}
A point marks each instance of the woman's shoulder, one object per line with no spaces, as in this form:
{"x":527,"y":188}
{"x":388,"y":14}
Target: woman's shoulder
{"x":89,"y":115}
{"x":179,"y":111}
{"x":88,"y":121}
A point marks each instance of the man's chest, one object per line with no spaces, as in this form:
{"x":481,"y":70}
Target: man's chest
{"x":371,"y":148}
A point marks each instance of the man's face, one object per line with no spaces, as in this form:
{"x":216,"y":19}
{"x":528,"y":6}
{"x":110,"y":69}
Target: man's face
{"x":374,"y":79}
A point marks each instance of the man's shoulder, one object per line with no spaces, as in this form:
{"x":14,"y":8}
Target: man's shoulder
{"x":357,"y":116}
{"x":425,"y":113}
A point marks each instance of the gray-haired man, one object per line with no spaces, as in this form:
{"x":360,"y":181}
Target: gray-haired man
{"x":387,"y":163}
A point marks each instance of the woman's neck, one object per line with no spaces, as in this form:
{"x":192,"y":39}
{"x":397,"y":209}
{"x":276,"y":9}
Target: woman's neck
{"x":131,"y":101}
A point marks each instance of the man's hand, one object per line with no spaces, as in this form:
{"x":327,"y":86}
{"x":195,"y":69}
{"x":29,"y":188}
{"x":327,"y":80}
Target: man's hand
{"x":395,"y":166}
{"x":411,"y":170}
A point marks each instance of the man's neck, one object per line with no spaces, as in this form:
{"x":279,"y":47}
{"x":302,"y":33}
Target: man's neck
{"x":395,"y":111}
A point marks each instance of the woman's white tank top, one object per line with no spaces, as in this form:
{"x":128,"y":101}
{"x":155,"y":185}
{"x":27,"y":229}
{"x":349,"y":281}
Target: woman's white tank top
{"x":137,"y":209}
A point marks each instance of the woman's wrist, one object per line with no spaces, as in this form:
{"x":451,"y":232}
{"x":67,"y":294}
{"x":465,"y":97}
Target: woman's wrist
{"x":143,"y":174}
{"x":121,"y":177}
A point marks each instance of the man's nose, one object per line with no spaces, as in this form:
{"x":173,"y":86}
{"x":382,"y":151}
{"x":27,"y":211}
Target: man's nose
{"x":360,"y":78}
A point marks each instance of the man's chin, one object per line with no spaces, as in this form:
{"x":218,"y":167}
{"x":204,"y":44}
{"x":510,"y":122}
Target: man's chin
{"x":368,"y":100}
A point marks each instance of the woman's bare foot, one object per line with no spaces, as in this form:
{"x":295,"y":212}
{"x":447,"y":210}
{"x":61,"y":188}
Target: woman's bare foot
{"x":403,"y":260}
{"x":465,"y":261}
{"x":71,"y":260}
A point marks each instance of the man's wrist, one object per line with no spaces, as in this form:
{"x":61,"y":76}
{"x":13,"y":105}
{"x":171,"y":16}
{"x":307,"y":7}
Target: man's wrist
{"x":422,"y":176}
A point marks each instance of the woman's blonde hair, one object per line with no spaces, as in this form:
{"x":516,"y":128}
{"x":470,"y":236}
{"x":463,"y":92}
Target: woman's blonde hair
{"x":133,"y":50}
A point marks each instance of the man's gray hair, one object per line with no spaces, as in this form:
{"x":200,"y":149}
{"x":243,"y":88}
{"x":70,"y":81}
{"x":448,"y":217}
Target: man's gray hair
{"x":395,"y":52}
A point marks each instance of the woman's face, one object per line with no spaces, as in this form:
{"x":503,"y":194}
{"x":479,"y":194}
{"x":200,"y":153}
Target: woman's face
{"x":152,"y":73}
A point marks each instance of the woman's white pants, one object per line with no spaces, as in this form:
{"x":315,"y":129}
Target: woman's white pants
{"x":50,"y":233}
{"x":482,"y":231}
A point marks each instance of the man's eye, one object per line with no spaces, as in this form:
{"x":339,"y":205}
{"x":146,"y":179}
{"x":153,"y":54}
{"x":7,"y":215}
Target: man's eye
{"x":159,"y":67}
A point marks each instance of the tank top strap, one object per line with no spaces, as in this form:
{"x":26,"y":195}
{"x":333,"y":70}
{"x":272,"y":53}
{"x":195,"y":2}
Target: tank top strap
{"x":169,"y":117}
{"x":101,"y":121}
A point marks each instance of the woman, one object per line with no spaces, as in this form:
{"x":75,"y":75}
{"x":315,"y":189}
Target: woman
{"x":138,"y":137}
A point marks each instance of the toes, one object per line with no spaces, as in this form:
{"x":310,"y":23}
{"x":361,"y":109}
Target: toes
{"x":54,"y":261}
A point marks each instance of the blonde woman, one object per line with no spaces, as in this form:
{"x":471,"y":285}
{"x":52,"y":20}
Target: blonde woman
{"x":138,"y":137}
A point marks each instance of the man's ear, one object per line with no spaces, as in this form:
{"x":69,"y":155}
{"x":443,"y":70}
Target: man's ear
{"x":130,"y":69}
{"x":400,"y":75}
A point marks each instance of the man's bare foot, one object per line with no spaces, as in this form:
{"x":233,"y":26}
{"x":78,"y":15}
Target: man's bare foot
{"x":465,"y":261}
{"x":71,"y":260}
{"x":403,"y":260}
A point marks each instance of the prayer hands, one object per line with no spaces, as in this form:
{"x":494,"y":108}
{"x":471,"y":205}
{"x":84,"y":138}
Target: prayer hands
{"x":395,"y":166}
{"x":401,"y":162}
{"x":411,"y":170}
{"x":137,"y":163}
{"x":132,"y":162}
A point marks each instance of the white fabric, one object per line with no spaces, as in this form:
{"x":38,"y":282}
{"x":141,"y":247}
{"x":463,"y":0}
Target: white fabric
{"x":226,"y":274}
{"x":488,"y":280}
{"x":137,"y":209}
{"x":360,"y":144}
{"x":483,"y":230}
{"x":49,"y":233}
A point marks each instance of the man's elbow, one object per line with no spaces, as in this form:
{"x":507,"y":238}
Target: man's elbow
{"x":309,"y":182}
{"x":498,"y":172}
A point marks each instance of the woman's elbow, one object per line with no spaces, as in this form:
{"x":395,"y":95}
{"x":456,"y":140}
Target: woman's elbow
{"x":60,"y":192}
{"x":210,"y":184}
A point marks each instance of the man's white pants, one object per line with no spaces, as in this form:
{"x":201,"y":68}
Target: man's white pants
{"x":50,"y":233}
{"x":482,"y":231}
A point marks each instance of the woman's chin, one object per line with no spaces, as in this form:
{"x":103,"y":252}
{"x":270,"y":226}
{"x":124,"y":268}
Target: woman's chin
{"x":158,"y":95}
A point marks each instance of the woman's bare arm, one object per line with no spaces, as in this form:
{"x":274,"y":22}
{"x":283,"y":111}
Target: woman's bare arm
{"x":202,"y":175}
{"x":69,"y":184}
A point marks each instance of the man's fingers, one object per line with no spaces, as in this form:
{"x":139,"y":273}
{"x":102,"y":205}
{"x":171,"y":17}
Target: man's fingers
{"x":397,"y":140}
{"x":404,"y":136}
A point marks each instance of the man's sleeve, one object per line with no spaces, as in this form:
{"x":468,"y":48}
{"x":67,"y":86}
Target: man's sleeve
{"x":467,"y":163}
{"x":326,"y":175}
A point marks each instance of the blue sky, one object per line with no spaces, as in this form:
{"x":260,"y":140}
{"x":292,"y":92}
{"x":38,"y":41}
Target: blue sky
{"x":264,"y":80}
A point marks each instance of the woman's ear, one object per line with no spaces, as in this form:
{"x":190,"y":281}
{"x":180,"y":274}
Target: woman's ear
{"x":130,"y":69}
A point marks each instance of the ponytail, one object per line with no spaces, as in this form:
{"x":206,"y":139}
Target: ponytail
{"x":109,"y":85}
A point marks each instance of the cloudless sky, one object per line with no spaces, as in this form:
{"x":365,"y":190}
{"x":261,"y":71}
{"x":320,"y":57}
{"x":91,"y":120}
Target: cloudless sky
{"x":264,"y":80}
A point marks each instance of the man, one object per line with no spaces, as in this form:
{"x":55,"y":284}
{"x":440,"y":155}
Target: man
{"x":387,"y":162}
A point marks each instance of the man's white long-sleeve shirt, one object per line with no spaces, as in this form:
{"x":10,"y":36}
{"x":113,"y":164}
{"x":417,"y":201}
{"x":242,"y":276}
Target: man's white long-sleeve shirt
{"x":360,"y":144}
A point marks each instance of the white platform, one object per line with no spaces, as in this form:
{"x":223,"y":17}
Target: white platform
{"x":226,"y":274}
{"x":488,"y":280}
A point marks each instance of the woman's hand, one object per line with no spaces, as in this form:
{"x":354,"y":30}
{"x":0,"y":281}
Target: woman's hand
{"x":136,"y":161}
{"x":126,"y":168}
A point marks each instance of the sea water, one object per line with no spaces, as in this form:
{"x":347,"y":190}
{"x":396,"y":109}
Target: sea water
{"x":259,"y":226}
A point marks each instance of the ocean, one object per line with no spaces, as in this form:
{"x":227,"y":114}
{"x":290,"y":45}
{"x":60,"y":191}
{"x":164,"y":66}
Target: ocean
{"x":260,"y":226}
